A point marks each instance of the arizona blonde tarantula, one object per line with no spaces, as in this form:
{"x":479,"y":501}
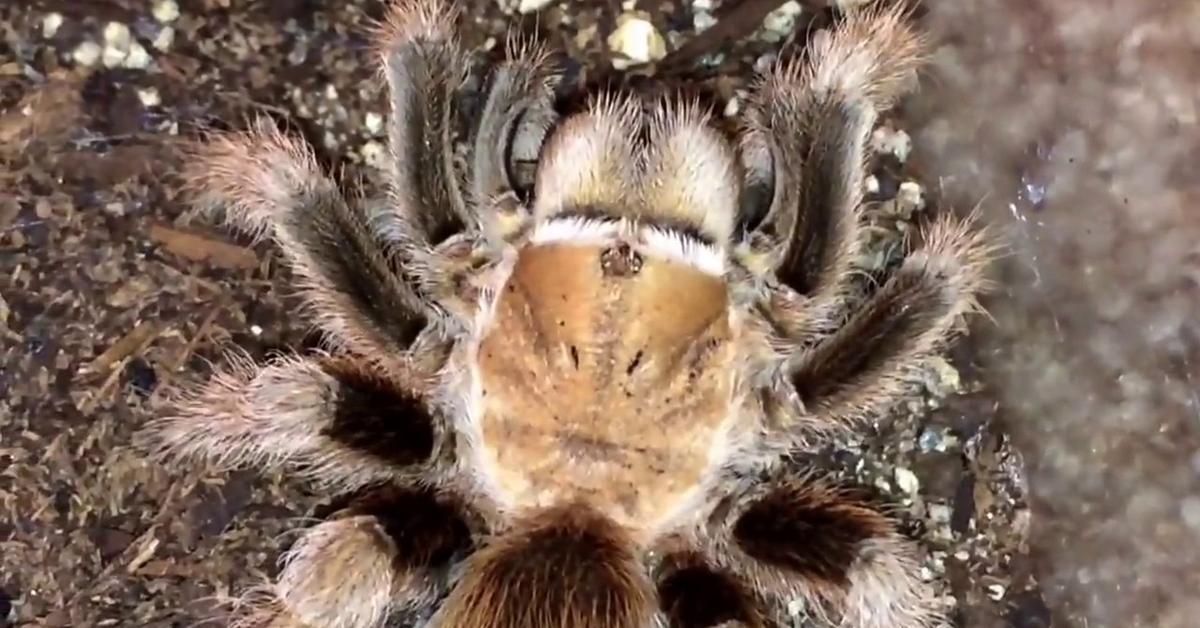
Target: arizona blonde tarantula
{"x":571,"y":406}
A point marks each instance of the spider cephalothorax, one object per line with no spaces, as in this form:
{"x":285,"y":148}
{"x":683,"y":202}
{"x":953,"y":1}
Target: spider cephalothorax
{"x":568,"y":405}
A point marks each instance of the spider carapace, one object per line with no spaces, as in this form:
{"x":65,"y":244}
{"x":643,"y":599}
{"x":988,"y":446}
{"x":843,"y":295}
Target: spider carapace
{"x":606,"y":378}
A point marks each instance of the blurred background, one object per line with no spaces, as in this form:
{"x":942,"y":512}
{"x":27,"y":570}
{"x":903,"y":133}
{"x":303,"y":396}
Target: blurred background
{"x":1056,"y":481}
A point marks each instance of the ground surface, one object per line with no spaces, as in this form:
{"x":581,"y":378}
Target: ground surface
{"x":107,"y":296}
{"x":1075,"y":124}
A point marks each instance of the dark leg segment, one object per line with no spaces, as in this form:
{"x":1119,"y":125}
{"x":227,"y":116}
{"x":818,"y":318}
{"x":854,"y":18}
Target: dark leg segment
{"x":331,"y":420}
{"x":385,"y":556}
{"x":804,"y":540}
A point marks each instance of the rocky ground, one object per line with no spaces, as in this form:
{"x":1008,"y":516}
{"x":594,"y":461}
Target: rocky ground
{"x":109,"y":294}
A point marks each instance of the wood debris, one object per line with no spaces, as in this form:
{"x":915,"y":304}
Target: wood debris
{"x":200,"y":248}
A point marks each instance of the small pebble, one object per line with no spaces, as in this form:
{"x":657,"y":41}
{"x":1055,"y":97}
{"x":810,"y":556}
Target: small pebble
{"x":165,"y":11}
{"x":764,"y":63}
{"x":871,"y":184}
{"x":942,"y":378}
{"x":299,"y":52}
{"x":702,"y":21}
{"x":374,"y":123}
{"x":163,"y":40}
{"x":256,"y":330}
{"x":330,"y":140}
{"x":779,"y":23}
{"x":910,"y":197}
{"x":530,"y":6}
{"x":137,"y":58}
{"x":732,"y":107}
{"x":87,"y":53}
{"x":50,"y":24}
{"x":996,"y":592}
{"x":930,"y":440}
{"x":1190,"y":509}
{"x":149,"y":97}
{"x":907,"y":481}
{"x":373,"y":154}
{"x":117,"y":39}
{"x":897,"y":142}
{"x":636,"y":40}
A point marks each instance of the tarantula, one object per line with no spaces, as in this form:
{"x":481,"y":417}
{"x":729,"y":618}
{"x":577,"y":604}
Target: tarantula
{"x":570,"y":405}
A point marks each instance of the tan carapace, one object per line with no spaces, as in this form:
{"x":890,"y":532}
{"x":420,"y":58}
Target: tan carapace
{"x":607,"y":375}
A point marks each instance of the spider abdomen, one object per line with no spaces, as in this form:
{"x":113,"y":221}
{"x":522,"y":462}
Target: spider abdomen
{"x":606,"y":376}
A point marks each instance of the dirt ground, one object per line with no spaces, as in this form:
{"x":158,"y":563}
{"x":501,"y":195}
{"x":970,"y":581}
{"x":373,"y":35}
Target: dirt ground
{"x":109,"y":294}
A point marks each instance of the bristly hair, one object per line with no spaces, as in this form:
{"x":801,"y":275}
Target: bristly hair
{"x":568,"y":566}
{"x":692,"y":175}
{"x":250,"y":179}
{"x":879,"y":351}
{"x":409,"y":21}
{"x":271,"y":185}
{"x":810,"y":537}
{"x":591,"y":160}
{"x":873,"y":53}
{"x":322,"y":418}
{"x":425,"y":67}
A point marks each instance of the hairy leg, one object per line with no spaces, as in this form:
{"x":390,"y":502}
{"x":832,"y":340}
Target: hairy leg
{"x":386,"y":555}
{"x":808,"y":126}
{"x":442,"y":203}
{"x":859,"y":370}
{"x":693,"y":593}
{"x":269,"y":184}
{"x":331,"y":420}
{"x":567,"y":566}
{"x":803,"y":539}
